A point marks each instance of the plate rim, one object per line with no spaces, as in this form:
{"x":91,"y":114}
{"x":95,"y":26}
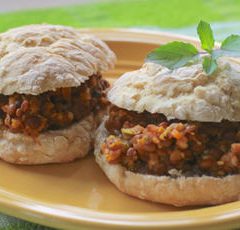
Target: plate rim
{"x":25,"y":208}
{"x":137,"y":35}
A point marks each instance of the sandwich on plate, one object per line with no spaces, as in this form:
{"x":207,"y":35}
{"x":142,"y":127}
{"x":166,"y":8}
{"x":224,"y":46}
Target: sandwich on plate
{"x":51,"y":93}
{"x":172,"y":135}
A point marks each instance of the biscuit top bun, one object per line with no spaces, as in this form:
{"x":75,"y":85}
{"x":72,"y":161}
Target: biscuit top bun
{"x":186,"y":93}
{"x":40,"y":58}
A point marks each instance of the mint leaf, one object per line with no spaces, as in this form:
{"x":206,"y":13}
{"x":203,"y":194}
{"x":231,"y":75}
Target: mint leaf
{"x":173,"y":55}
{"x":209,"y":65}
{"x":205,"y":34}
{"x":231,"y":43}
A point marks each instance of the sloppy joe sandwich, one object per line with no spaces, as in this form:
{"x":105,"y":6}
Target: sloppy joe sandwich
{"x":51,"y":91}
{"x":173,"y":136}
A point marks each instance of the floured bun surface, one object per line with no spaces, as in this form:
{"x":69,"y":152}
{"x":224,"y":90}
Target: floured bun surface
{"x":40,"y":58}
{"x":175,"y":189}
{"x":186,"y":93}
{"x":50,"y":86}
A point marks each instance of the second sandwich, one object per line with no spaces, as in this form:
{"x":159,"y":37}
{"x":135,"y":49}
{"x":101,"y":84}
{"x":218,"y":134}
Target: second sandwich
{"x":173,"y":136}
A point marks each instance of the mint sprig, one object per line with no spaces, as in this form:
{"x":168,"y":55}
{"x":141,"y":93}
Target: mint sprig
{"x":177,"y":54}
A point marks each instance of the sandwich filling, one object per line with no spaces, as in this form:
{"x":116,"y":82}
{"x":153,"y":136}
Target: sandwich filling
{"x":31,"y":115}
{"x":151,"y":144}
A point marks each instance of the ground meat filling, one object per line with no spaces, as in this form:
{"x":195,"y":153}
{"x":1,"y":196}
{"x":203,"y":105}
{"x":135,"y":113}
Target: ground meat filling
{"x":52,"y":110}
{"x":150,"y":144}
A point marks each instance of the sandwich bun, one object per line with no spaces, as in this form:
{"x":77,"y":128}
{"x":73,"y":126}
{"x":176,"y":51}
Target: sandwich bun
{"x":186,"y":93}
{"x":56,"y":146}
{"x":40,"y":58}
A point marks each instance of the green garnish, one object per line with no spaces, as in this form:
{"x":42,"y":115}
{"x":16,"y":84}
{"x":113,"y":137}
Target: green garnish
{"x":173,"y":55}
{"x":209,"y":65}
{"x":205,"y":34}
{"x":177,"y":54}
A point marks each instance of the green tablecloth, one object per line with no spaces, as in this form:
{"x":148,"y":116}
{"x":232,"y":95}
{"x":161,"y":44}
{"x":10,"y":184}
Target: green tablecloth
{"x":164,"y":16}
{"x":12,"y":223}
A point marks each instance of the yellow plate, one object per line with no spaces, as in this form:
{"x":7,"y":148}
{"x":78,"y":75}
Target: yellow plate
{"x":78,"y":195}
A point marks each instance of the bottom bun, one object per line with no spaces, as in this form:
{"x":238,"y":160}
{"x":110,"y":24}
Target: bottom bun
{"x":56,"y":146}
{"x":181,"y":191}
